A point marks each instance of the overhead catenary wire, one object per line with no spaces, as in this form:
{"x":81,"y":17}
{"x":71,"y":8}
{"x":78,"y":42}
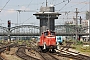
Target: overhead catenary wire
{"x":29,"y":3}
{"x":77,"y":4}
{"x":5,"y":5}
{"x":27,"y":19}
{"x":84,"y":2}
{"x":73,"y":11}
{"x":59,"y":3}
{"x":82,"y":7}
{"x":64,"y":5}
{"x":56,"y":5}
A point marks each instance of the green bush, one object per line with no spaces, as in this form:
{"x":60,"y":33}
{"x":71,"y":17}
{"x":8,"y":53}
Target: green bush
{"x":79,"y":43}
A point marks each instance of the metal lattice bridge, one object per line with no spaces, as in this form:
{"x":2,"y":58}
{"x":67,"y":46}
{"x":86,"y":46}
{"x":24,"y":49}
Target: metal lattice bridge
{"x":31,"y":30}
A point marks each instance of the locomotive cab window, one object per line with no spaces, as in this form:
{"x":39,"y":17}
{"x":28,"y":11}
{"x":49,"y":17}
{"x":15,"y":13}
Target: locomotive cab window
{"x":45,"y":33}
{"x":52,"y":33}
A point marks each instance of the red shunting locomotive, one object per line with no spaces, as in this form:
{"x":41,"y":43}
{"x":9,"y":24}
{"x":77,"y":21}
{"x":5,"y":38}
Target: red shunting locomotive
{"x":47,"y":41}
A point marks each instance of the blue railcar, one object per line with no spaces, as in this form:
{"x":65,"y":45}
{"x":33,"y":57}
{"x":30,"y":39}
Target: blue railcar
{"x":59,"y":39}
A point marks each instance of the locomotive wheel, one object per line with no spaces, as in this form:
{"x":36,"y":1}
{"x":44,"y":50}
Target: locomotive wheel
{"x":44,"y":51}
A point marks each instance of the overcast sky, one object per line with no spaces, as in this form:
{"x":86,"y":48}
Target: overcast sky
{"x":9,"y":11}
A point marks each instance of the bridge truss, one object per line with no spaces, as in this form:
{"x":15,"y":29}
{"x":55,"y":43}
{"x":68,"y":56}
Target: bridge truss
{"x":31,"y":30}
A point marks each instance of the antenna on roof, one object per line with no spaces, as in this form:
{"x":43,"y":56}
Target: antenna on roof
{"x":46,"y":3}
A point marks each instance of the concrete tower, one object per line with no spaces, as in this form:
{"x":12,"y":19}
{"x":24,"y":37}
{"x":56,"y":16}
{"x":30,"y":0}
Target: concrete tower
{"x":47,"y":16}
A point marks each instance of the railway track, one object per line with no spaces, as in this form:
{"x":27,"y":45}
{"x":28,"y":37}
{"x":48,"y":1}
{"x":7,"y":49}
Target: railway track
{"x":45,"y":56}
{"x":3,"y":48}
{"x":21,"y":53}
{"x":1,"y":58}
{"x":74,"y":56}
{"x":64,"y":52}
{"x":68,"y":45}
